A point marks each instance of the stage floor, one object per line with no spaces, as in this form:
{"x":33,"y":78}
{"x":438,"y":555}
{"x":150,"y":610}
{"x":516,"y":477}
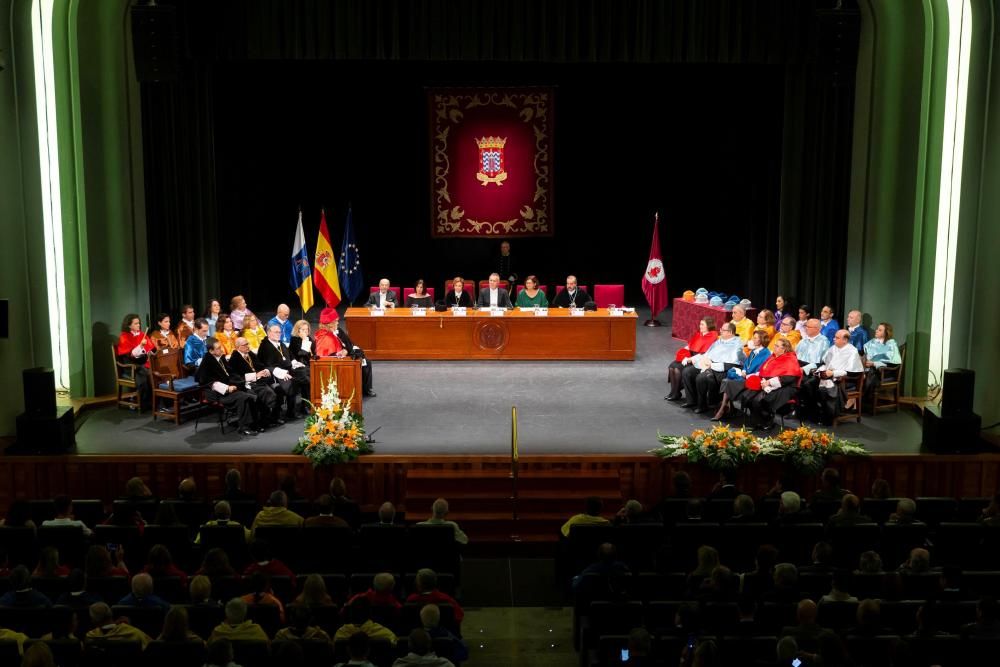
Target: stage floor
{"x":463,"y":407}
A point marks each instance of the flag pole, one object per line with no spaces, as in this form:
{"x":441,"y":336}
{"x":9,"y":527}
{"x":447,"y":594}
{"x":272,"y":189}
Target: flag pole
{"x":652,"y":321}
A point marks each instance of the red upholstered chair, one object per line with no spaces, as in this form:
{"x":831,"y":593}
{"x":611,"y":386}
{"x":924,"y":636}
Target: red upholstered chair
{"x":544,"y":288}
{"x":605,"y":294}
{"x":407,"y":291}
{"x":394,"y":290}
{"x":560,"y":288}
{"x":468,"y":288}
{"x":483,"y":284}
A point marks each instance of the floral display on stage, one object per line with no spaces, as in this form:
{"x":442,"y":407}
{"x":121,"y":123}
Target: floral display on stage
{"x":333,"y":434}
{"x":805,"y":449}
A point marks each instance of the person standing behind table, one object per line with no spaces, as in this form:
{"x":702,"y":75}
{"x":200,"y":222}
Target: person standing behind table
{"x":134,"y":347}
{"x":186,"y":326}
{"x":383,"y":298}
{"x":458,"y":296}
{"x":238,"y":311}
{"x":164,"y":338}
{"x":531,"y":296}
{"x":419,"y":298}
{"x":572,"y":296}
{"x":282,"y":312}
{"x":505,"y":266}
{"x":226,"y":387}
{"x":195,"y":346}
{"x":494,"y":296}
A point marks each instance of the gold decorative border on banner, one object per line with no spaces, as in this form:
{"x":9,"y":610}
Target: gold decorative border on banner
{"x":533,"y":217}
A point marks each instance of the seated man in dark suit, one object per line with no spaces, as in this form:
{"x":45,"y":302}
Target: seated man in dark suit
{"x":726,"y":486}
{"x":494,"y":296}
{"x":384,"y":297}
{"x":849,"y":513}
{"x":807,"y":632}
{"x":790,"y":511}
{"x":224,"y":386}
{"x":258,"y":381}
{"x":21,"y":593}
{"x":987,"y":620}
{"x":275,"y":357}
{"x":572,"y":296}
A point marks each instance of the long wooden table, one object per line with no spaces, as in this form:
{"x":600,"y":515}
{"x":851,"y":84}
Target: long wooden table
{"x":398,"y":334}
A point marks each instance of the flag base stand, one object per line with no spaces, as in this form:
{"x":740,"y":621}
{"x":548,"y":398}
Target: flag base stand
{"x":652,"y":323}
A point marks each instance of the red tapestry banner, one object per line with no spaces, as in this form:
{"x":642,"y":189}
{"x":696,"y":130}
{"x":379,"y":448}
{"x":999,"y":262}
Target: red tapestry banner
{"x":491,"y":158}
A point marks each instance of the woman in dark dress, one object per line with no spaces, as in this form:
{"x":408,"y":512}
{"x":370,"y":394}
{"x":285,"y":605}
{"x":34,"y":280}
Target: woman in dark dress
{"x":419,"y":298}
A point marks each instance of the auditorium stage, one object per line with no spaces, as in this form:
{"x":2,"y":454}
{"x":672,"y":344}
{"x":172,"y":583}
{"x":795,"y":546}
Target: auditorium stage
{"x":456,"y":407}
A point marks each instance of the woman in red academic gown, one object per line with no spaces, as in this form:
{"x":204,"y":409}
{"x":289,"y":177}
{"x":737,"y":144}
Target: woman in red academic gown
{"x":779,"y":381}
{"x":698,"y":344}
{"x":327,"y":343}
{"x":134,"y":346}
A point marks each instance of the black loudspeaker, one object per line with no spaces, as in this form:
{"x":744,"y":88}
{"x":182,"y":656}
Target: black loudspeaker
{"x":957,"y":391}
{"x":951,"y":434}
{"x":44,"y":434}
{"x":4,"y":318}
{"x":154,"y":42}
{"x":39,"y":391}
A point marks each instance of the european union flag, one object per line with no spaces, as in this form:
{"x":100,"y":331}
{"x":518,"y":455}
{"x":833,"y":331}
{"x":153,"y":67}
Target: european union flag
{"x":349,"y":273}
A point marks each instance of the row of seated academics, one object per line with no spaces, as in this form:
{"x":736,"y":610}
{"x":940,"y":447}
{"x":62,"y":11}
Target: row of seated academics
{"x":493,"y":293}
{"x":807,"y":364}
{"x":824,"y":597}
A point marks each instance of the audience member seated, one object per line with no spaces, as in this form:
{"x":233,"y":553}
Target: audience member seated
{"x":761,"y":578}
{"x":98,"y":562}
{"x":314,"y":593}
{"x":439,"y":510}
{"x":821,"y":394}
{"x":430,"y":619}
{"x":632,"y":513}
{"x":905,"y":514}
{"x":839,"y":591}
{"x":264,"y":561}
{"x":779,"y":379}
{"x":343,"y":506}
{"x":743,"y":510}
{"x":357,"y":650}
{"x":142,"y":594}
{"x":18,"y":515}
{"x":919,"y":562}
{"x":694,"y":511}
{"x":591,"y":516}
{"x":21,"y":595}
{"x":880,"y":351}
{"x":216,"y":564}
{"x":708,"y":560}
{"x":870,"y":562}
{"x":720,"y":586}
{"x":200,"y":592}
{"x":103,"y":626}
{"x":64,"y":515}
{"x":806,"y":632}
{"x":746,"y":624}
{"x":427,"y":593}
{"x":786,"y":584}
{"x":77,"y":597}
{"x":299,"y":628}
{"x":8,"y":635}
{"x":805,"y":314}
{"x":859,"y":335}
{"x":159,"y":563}
{"x":790,"y":511}
{"x":743,"y":324}
{"x":236,"y":627}
{"x":987,"y":622}
{"x":124,"y":513}
{"x":380,"y":594}
{"x":386,"y":514}
{"x":359,"y":620}
{"x":421,"y":652}
{"x":928,"y":619}
{"x":48,"y":564}
{"x":276,"y":513}
{"x":697,"y":344}
{"x":869,"y":617}
{"x":703,"y":373}
{"x":606,"y":565}
{"x":234,"y":487}
{"x":176,"y":627}
{"x":222,"y":512}
{"x":326,"y":515}
{"x":822,"y":559}
{"x":849,"y":513}
{"x":260,"y":581}
{"x":830,"y":490}
{"x":726,"y":486}
{"x":881,"y":490}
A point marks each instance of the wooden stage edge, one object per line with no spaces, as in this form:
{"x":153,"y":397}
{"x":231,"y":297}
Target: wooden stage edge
{"x":378,"y":477}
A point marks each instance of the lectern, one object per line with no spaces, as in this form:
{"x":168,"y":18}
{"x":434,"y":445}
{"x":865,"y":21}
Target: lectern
{"x":348,"y":374}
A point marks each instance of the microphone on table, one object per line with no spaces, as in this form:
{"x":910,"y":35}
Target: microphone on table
{"x":370,"y":437}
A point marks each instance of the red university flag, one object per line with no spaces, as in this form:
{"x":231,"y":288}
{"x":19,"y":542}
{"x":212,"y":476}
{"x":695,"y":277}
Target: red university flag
{"x":654,"y":280}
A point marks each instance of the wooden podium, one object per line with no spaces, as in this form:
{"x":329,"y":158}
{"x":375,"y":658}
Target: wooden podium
{"x":348,"y":374}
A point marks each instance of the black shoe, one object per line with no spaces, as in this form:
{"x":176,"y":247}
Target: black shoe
{"x":766,"y":428}
{"x":247,"y":431}
{"x":371,"y":393}
{"x":689,"y":406}
{"x":716,"y":419}
{"x":701,"y":411}
{"x":260,"y":428}
{"x":278,"y":422}
{"x":672,"y":398}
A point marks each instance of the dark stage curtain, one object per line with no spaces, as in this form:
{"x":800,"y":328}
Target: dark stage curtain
{"x":791,"y":237}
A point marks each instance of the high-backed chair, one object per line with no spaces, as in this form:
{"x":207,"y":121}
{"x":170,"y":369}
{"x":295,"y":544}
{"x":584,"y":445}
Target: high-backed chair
{"x":178,"y":395}
{"x":128,"y":394}
{"x":467,"y":287}
{"x":407,"y":291}
{"x":604,"y":295}
{"x":543,"y":288}
{"x":560,"y":288}
{"x":887,"y":393}
{"x":850,"y":386}
{"x":394,"y":290}
{"x":483,"y":284}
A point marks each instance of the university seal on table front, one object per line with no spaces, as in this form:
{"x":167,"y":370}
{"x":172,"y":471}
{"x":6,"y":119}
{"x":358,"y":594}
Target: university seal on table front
{"x":490,"y":335}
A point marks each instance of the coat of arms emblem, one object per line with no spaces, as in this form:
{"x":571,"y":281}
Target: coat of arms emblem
{"x":491,"y":161}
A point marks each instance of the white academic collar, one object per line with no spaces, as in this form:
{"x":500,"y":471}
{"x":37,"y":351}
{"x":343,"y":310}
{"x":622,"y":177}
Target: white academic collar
{"x":165,"y":332}
{"x":853,"y":328}
{"x":276,"y":343}
{"x":813,"y":338}
{"x":190,"y":323}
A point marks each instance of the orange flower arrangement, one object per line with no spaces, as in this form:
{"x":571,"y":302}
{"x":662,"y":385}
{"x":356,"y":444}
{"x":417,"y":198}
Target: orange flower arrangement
{"x":332,"y":433}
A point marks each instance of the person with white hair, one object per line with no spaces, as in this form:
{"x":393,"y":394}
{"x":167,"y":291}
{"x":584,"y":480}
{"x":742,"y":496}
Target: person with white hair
{"x":103,"y":626}
{"x":383,"y":297}
{"x":439,"y":510}
{"x":236,"y":627}
{"x":142,"y":594}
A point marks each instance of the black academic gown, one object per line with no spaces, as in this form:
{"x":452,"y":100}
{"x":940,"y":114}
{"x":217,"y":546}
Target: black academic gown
{"x":212,"y":370}
{"x":562,"y":300}
{"x":290,"y":388}
{"x":263,"y":389}
{"x":357,"y":353}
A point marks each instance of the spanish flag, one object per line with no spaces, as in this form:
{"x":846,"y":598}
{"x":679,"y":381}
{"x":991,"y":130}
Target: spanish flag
{"x":325,"y":276}
{"x":300,"y":269}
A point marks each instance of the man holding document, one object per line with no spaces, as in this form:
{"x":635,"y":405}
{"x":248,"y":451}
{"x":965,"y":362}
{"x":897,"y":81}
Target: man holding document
{"x":275,"y":357}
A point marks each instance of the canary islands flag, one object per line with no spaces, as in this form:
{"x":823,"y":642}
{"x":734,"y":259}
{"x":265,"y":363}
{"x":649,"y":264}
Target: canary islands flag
{"x":301,"y":274}
{"x":326,"y":266}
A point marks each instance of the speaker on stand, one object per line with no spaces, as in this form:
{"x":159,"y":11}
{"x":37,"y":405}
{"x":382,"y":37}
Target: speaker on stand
{"x":42,"y":428}
{"x":953,"y":427}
